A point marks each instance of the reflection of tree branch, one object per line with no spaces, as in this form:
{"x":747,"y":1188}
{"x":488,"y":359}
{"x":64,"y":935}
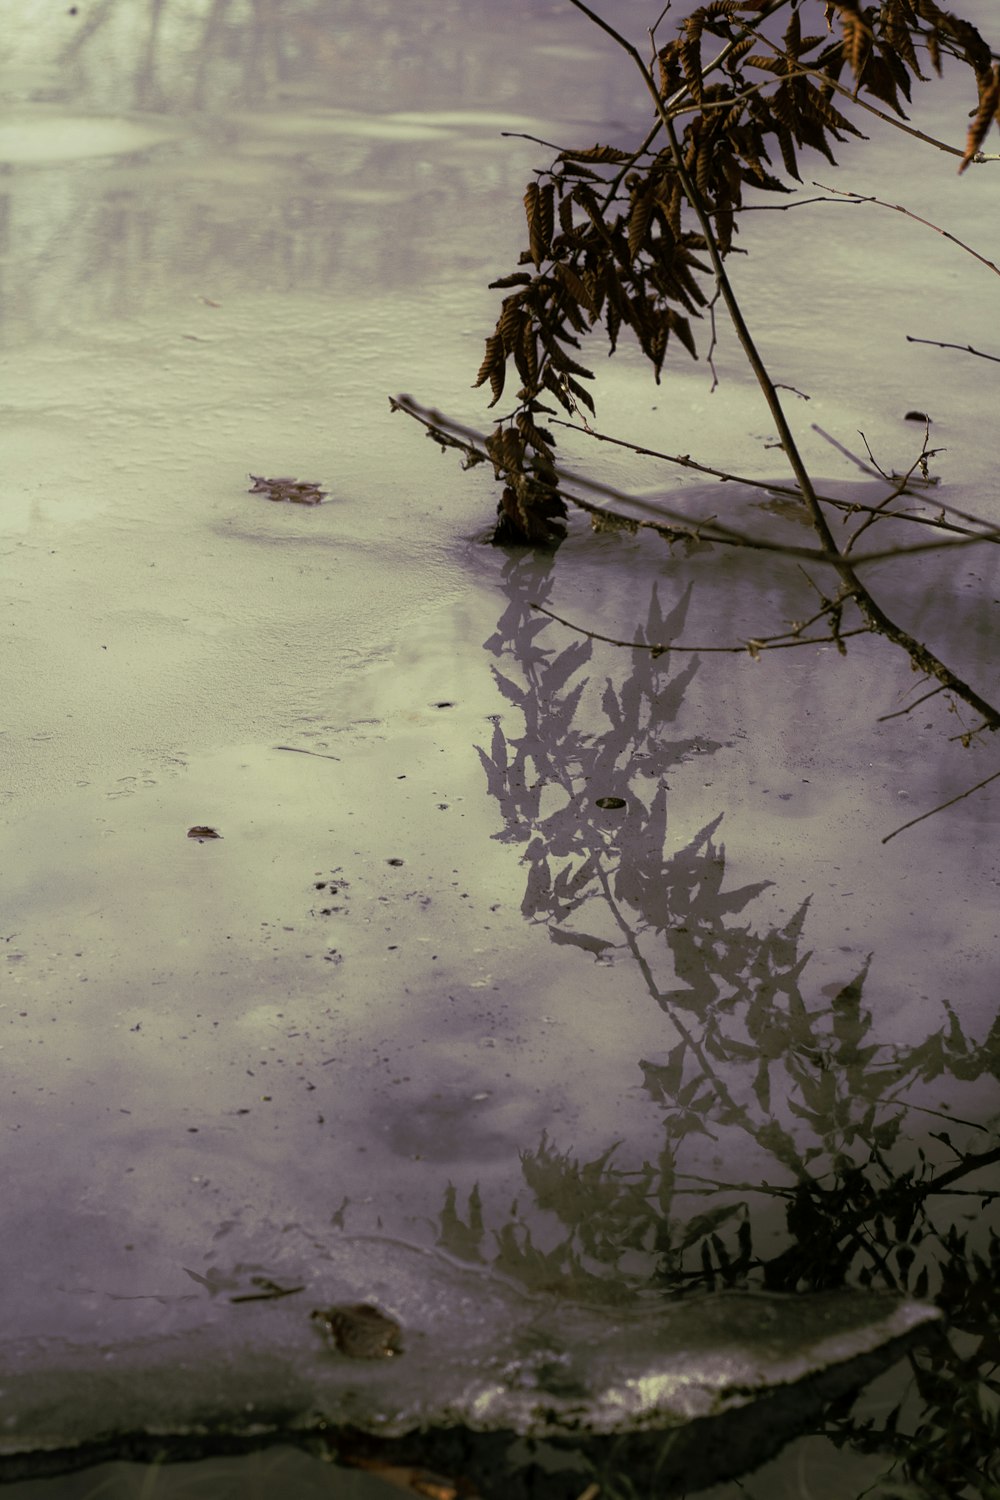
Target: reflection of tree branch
{"x":965,"y":348}
{"x":899,"y":712}
{"x":754,"y":646}
{"x":807,"y":1085}
{"x":942,"y":805}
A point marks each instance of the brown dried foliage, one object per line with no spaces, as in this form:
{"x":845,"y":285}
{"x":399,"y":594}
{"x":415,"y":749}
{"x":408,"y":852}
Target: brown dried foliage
{"x":612,"y":239}
{"x":988,"y":111}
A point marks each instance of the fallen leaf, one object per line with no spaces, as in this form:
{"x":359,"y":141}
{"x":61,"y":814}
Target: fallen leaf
{"x":297,"y":491}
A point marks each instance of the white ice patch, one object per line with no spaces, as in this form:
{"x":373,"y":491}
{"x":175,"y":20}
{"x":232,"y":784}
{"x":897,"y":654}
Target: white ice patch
{"x":35,"y":137}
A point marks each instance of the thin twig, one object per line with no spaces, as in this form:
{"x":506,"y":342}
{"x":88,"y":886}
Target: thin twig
{"x":898,"y":208}
{"x":941,"y":806}
{"x":963,"y":348}
{"x":878,"y":512}
{"x":754,"y":645}
{"x":858,"y":463}
{"x":900,"y":712}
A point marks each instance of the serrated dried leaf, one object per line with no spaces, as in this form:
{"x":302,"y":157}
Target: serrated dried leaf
{"x":581,"y":393}
{"x":576,"y":288}
{"x":690,"y":57}
{"x":989,"y":105}
{"x":538,"y":208}
{"x":640,"y":214}
{"x":296,"y":491}
{"x":509,"y":326}
{"x":517,"y":278}
{"x":596,"y":153}
{"x":493,"y":367}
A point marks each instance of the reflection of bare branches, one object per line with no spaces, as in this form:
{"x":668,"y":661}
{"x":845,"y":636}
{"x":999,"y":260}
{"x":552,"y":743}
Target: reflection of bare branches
{"x":899,"y":712}
{"x":964,"y":348}
{"x":942,"y":805}
{"x":754,"y":646}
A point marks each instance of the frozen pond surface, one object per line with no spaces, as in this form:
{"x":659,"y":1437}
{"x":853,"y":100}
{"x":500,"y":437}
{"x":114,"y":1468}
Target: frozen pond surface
{"x":528,"y":979}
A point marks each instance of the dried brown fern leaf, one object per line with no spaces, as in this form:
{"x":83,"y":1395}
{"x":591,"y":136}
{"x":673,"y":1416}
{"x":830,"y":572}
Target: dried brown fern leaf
{"x":505,"y":447}
{"x":509,"y":325}
{"x":897,"y":67}
{"x":671,"y":72}
{"x":786,"y":146}
{"x":690,"y":57}
{"x":747,"y":141}
{"x":767,"y":64}
{"x":655,"y":349}
{"x":810,"y":132}
{"x":562,"y":362}
{"x":576,"y":288}
{"x":784,"y":124}
{"x":538,"y":208}
{"x":566,"y":307}
{"x":613,"y":321}
{"x":815,"y":103}
{"x":538,"y":438}
{"x":525,"y":353}
{"x":681,"y":326}
{"x":684,"y":287}
{"x":569,"y":169}
{"x":597,"y":153}
{"x":663,"y":245}
{"x":493,"y":367}
{"x":953,"y":34}
{"x":897,"y":18}
{"x":703,"y":167}
{"x":880,"y":81}
{"x":547,"y":213}
{"x":737,"y":51}
{"x":595,"y":290}
{"x":718,"y":10}
{"x":640,"y":214}
{"x":552,"y":382}
{"x":987,"y":112}
{"x":581,"y":393}
{"x":588,"y":200}
{"x":670,"y":200}
{"x":614,"y":305}
{"x":856,"y":36}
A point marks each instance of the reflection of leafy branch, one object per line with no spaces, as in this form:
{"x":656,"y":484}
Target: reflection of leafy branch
{"x":837,"y":1195}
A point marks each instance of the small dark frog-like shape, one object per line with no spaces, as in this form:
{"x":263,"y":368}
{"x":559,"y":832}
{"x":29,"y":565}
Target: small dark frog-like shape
{"x":361,"y":1331}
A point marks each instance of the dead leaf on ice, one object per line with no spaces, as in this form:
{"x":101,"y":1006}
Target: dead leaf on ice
{"x":298,"y":491}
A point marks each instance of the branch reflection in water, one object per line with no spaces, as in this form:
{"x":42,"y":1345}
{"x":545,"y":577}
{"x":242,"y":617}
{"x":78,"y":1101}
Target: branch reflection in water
{"x":840,"y":1171}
